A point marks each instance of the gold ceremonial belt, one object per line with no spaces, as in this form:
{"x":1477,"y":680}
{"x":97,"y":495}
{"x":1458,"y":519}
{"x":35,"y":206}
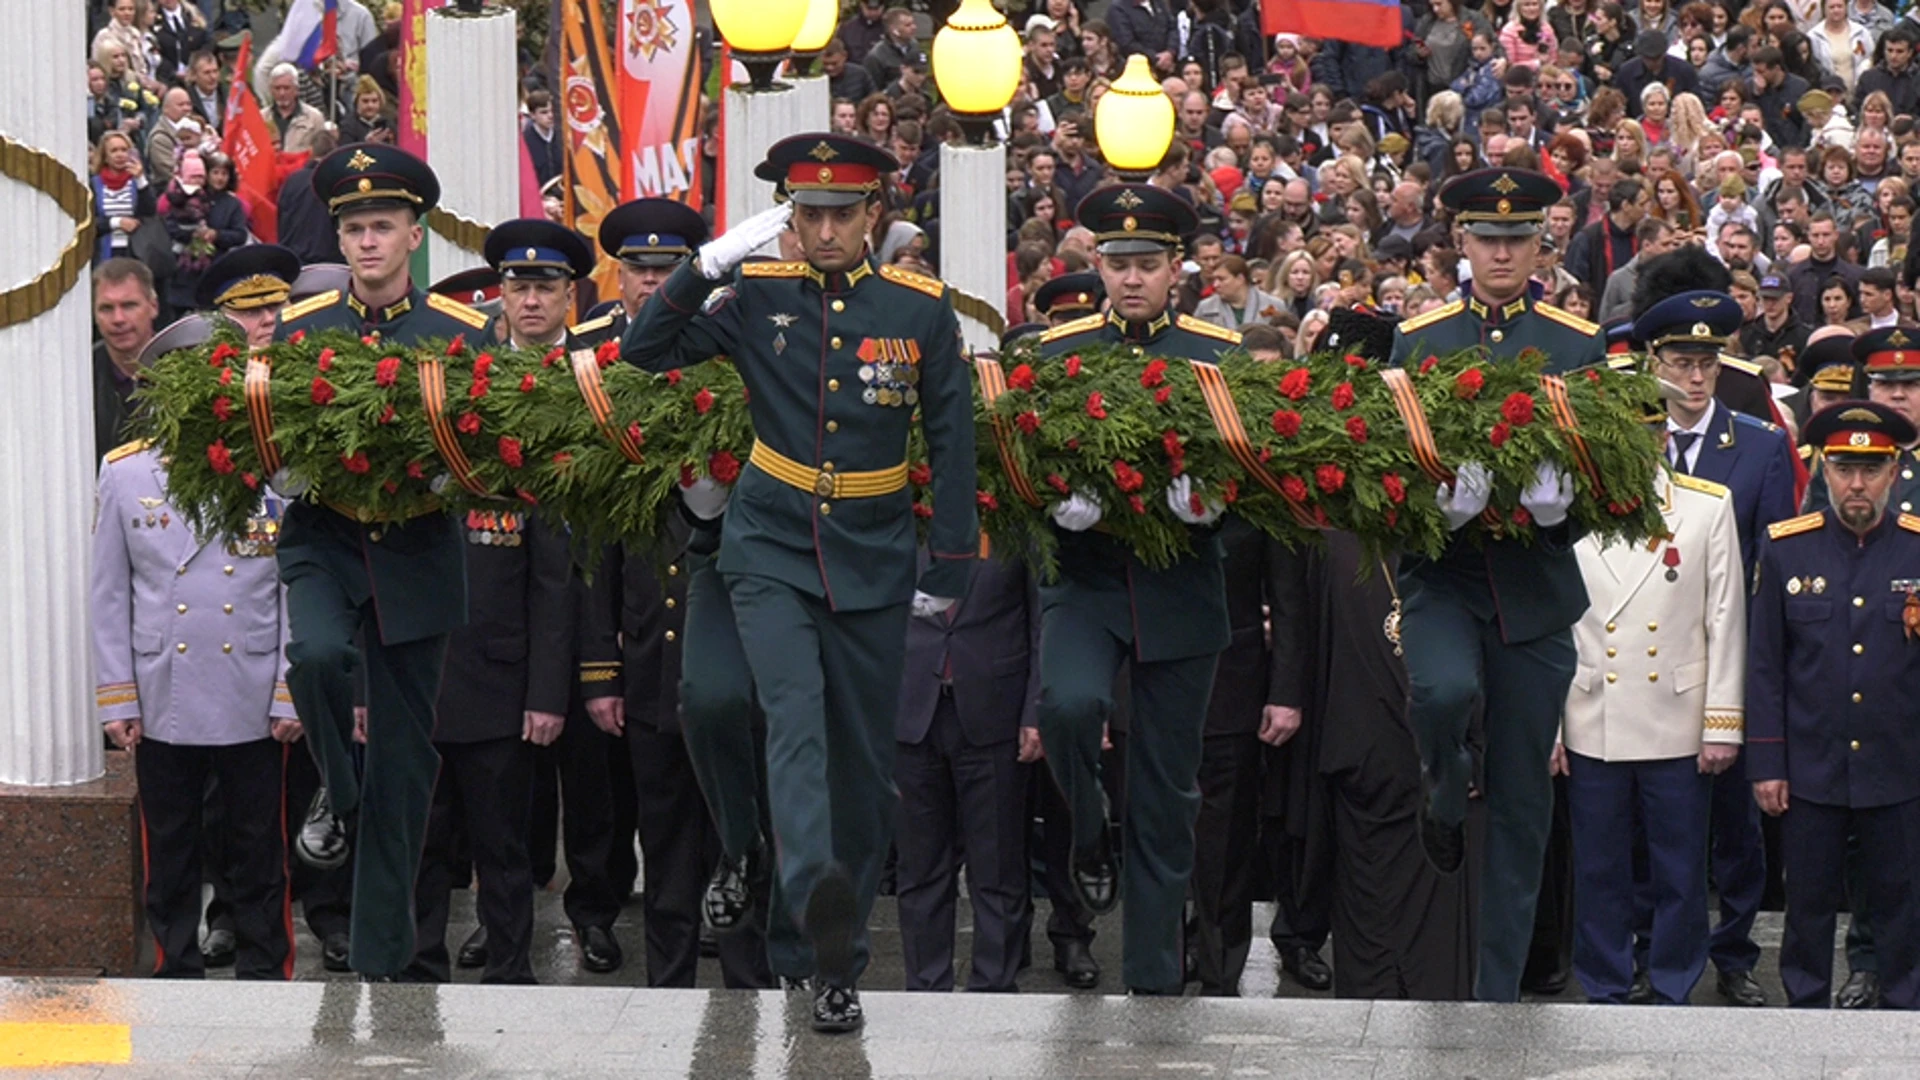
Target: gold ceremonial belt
{"x":825,"y":482}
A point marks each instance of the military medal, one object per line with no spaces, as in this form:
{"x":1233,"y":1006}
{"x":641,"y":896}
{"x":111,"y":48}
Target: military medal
{"x":1793,"y":586}
{"x":1819,"y":585}
{"x":1910,"y":615}
{"x":1390,"y":626}
{"x":1672,"y":561}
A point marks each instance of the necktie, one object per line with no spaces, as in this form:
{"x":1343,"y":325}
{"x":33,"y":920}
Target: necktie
{"x":1682,"y":442}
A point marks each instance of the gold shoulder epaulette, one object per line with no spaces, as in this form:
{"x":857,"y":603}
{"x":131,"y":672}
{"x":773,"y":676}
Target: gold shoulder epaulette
{"x":1077,"y":326}
{"x":774,"y":269}
{"x":1567,"y":318}
{"x":447,"y":305}
{"x":127,"y":450}
{"x":592,"y":325}
{"x":1780,"y":530}
{"x":316,"y":302}
{"x":933,"y":287}
{"x":1738,"y":364}
{"x":1707,"y":487}
{"x":1421,"y":322}
{"x":1909,"y":522}
{"x":1206,"y":329}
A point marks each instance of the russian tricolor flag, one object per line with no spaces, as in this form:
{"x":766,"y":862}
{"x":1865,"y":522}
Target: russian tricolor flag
{"x":314,"y":25}
{"x":1363,"y":22}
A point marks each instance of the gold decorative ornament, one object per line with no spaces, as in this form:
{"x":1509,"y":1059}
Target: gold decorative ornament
{"x":48,"y":175}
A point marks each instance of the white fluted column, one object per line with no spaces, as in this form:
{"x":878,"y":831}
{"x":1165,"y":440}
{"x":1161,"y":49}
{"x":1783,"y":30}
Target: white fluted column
{"x":973,"y":254}
{"x":47,"y":731}
{"x":755,"y":121}
{"x":816,"y":102}
{"x":473,"y":130}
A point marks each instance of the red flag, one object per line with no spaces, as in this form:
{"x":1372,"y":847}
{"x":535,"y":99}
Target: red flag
{"x":1363,"y":22}
{"x":531,"y":204}
{"x":249,"y":142}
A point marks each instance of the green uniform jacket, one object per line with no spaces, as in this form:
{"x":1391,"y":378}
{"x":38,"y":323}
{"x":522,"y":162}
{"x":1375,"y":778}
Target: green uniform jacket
{"x":1535,"y":589}
{"x":417,"y":571}
{"x":1169,"y":614}
{"x":835,"y":364}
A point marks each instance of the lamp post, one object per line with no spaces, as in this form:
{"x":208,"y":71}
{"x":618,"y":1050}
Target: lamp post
{"x":1134,"y":122}
{"x":762,"y":112}
{"x":823,"y":17}
{"x":976,"y":65}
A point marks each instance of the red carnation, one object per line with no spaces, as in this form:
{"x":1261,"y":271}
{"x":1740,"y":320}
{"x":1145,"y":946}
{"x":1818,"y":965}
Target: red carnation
{"x":223,"y":409}
{"x":703,"y":401}
{"x":1127,"y":477}
{"x":356,"y":462}
{"x":1429,"y":364}
{"x":1197,"y":505}
{"x":526,"y":383}
{"x":1359,"y":362}
{"x":607,"y":353}
{"x":1592,"y":375}
{"x":1230,"y":491}
{"x":1294,"y":488}
{"x":1330,"y":478}
{"x":1286,"y":423}
{"x":562,"y":458}
{"x":325,"y":360}
{"x":389,"y":486}
{"x":510,"y":452}
{"x":1518,"y":408}
{"x":1163,"y":395}
{"x":526,"y":496}
{"x":986,"y":501}
{"x":1393,"y":518}
{"x":1500,"y":434}
{"x":1154,"y":375}
{"x":322,"y":391}
{"x":553,"y":356}
{"x":1467,"y":384}
{"x":1028,"y":422}
{"x":222,"y":353}
{"x":1522,"y":517}
{"x":1020,"y":378}
{"x":458,"y":345}
{"x":481,"y":388}
{"x":1059,"y":483}
{"x":1138,"y":505}
{"x":1396,"y":487}
{"x":1357,"y":428}
{"x":1096,"y":406}
{"x":416,"y":471}
{"x":1343,"y":397}
{"x":1073,"y":366}
{"x":250,"y":480}
{"x":723,"y":466}
{"x":922,"y":510}
{"x":1073,"y":444}
{"x":673,"y":377}
{"x":370,"y":339}
{"x":1297,"y":383}
{"x":468,"y":424}
{"x":633,"y":432}
{"x":226,"y":376}
{"x":919,"y":474}
{"x":687,"y":475}
{"x":386,"y":414}
{"x":387,"y":371}
{"x":219,"y":457}
{"x":1170,"y":441}
{"x":297,"y":337}
{"x":483,"y":366}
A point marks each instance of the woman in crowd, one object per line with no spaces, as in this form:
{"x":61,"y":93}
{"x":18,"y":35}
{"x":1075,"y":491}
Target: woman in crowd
{"x":1839,"y":45}
{"x":1891,"y":249}
{"x":1876,"y":112}
{"x":1891,"y":192}
{"x":1446,"y":112}
{"x":1293,"y":280}
{"x":1655,"y":15}
{"x":1236,"y":301}
{"x":203,"y":224}
{"x":1571,"y":21}
{"x":372,"y":117}
{"x":1604,"y":114}
{"x":1097,"y":42}
{"x":1610,"y":42}
{"x":1675,"y":204}
{"x":123,"y":29}
{"x":1363,"y":211}
{"x":875,"y":120}
{"x":1576,"y":300}
{"x":1656,"y":105}
{"x":1527,"y":38}
{"x":1847,"y":197}
{"x":1066,"y":27}
{"x":1836,"y":301}
{"x":1325,"y":258}
{"x":122,"y":199}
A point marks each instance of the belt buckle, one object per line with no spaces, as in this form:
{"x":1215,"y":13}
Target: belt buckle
{"x":823,"y":484}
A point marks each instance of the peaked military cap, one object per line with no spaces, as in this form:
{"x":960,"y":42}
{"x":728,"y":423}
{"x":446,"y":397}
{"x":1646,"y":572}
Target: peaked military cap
{"x":1860,"y":430}
{"x":1619,"y":334}
{"x":1136,"y":219}
{"x":1021,"y":330}
{"x":254,"y":276}
{"x":535,"y":249}
{"x":1500,"y":201}
{"x":1890,"y":354}
{"x":189,"y":332}
{"x":1829,"y":365}
{"x":652,"y":232}
{"x":474,"y":287}
{"x":825,"y":169}
{"x":1070,"y":294}
{"x":316,"y":278}
{"x":1702,"y":318}
{"x":375,"y":176}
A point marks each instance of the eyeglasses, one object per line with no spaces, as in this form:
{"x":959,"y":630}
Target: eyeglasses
{"x":1705,"y":366}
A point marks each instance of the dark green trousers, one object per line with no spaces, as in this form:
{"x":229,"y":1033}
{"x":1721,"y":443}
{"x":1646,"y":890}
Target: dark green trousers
{"x":1079,"y":658}
{"x":829,"y":684}
{"x":1455,"y":656}
{"x":727,"y":744}
{"x":393,"y":800}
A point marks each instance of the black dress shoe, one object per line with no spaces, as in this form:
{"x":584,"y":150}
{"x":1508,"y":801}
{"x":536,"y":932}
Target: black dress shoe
{"x":1641,"y":993}
{"x":217,"y":950}
{"x":836,"y":1009}
{"x":322,"y":840}
{"x":333,"y":952}
{"x":1095,"y":877}
{"x":1446,"y":845}
{"x":599,"y":952}
{"x":1075,"y":963}
{"x":733,"y":890}
{"x":796,"y":986}
{"x":1739,"y":988}
{"x":1860,"y":991}
{"x":832,"y":914}
{"x":1552,"y":984}
{"x":1306,"y":968}
{"x":473,"y":951}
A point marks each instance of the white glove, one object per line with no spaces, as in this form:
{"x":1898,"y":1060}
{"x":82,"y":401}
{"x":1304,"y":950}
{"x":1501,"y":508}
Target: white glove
{"x":286,"y":484}
{"x":1550,"y":496}
{"x":721,"y":254}
{"x":1466,"y":497}
{"x":1080,"y":512}
{"x":1180,"y":501}
{"x":706,"y":498}
{"x":927,"y":607}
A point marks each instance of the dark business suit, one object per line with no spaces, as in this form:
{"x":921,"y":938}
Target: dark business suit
{"x":515,"y":655}
{"x":972,"y":682}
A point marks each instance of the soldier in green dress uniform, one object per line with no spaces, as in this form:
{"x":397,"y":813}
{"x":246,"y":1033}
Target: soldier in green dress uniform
{"x":383,"y":594}
{"x":818,"y":546}
{"x":1107,"y":608}
{"x":1491,"y":620}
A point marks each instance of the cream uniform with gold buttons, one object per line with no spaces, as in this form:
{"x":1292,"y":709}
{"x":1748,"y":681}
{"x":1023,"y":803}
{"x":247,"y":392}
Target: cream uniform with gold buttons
{"x":1662,"y":649}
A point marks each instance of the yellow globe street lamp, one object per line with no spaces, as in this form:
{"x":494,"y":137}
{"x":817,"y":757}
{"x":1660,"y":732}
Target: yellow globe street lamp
{"x":760,"y":33}
{"x":823,"y":18}
{"x":1134,"y":122}
{"x":976,"y":65}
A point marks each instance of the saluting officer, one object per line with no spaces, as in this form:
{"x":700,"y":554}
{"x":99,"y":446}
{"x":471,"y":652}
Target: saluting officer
{"x":1107,"y":608}
{"x":509,"y":670}
{"x":817,"y":550}
{"x":1891,"y":359}
{"x":249,"y":285}
{"x":1833,"y":671}
{"x":187,"y":637}
{"x":334,"y":566}
{"x":1492,"y":619}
